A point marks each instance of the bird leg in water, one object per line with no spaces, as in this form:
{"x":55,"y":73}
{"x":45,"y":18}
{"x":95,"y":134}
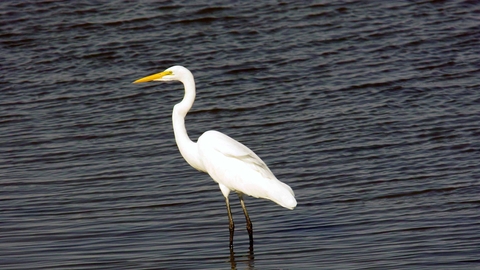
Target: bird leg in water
{"x":230,"y":219}
{"x":247,"y":218}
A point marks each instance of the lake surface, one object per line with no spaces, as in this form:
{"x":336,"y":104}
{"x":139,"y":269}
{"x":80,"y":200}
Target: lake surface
{"x":370,"y":111}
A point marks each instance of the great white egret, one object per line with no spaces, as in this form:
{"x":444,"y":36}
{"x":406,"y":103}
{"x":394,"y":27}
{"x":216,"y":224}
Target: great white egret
{"x":231,"y":164}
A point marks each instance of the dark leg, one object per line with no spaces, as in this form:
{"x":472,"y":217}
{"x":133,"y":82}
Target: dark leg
{"x":230,"y":219}
{"x":247,"y":218}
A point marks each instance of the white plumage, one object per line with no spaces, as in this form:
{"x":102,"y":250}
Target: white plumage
{"x":230,"y":163}
{"x":239,"y":169}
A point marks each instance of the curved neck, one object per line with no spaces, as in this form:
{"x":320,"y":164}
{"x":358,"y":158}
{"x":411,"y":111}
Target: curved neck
{"x":187,"y":147}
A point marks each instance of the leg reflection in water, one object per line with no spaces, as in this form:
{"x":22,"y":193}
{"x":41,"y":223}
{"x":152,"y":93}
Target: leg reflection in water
{"x":247,"y":259}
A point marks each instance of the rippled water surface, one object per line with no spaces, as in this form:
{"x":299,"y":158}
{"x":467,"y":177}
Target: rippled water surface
{"x":370,"y":111}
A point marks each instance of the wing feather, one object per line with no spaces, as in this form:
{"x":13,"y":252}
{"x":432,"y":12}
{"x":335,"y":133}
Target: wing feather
{"x":235,"y":166}
{"x":234,"y":149}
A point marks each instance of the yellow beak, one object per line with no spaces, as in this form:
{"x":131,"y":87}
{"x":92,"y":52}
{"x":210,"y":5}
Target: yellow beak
{"x":153,"y":77}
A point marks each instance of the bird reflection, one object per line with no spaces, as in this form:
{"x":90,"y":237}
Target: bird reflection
{"x":248,"y":259}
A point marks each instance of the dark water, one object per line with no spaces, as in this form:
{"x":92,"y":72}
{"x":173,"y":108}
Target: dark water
{"x":370,"y":111}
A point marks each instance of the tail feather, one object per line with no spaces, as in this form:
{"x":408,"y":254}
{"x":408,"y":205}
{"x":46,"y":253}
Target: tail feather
{"x":283,"y":195}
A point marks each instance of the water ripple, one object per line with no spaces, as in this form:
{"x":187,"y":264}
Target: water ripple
{"x":368,"y":110}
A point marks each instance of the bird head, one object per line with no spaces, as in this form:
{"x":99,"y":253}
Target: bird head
{"x":175,"y":73}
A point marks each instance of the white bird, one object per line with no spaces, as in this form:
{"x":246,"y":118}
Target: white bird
{"x":231,"y":164}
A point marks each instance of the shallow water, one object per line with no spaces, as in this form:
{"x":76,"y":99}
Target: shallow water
{"x":370,"y":112}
